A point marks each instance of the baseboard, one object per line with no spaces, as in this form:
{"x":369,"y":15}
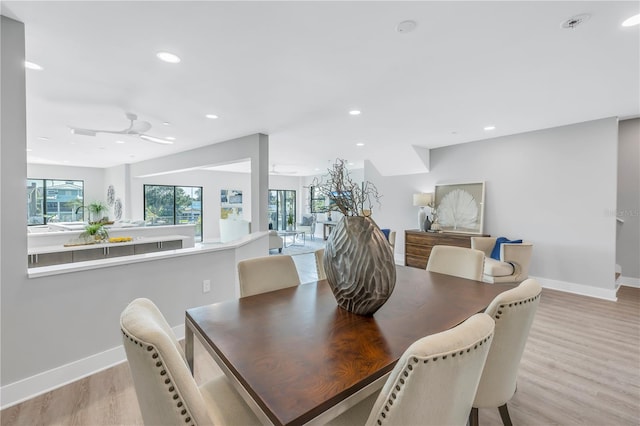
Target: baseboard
{"x":629,"y":281}
{"x":581,"y":289}
{"x":22,"y":390}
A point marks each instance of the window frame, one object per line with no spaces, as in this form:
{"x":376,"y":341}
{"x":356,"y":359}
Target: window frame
{"x":174,"y":214}
{"x":44,"y":202}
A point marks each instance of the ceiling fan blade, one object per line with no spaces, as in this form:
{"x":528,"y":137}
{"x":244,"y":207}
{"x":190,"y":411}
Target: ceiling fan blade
{"x":156,"y":140}
{"x":93,"y":132}
{"x":83,"y":132}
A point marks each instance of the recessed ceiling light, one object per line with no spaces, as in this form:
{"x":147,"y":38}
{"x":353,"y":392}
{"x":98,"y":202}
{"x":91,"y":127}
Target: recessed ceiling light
{"x":119,"y":141}
{"x":405,"y":27}
{"x":490,"y":127}
{"x":29,"y":150}
{"x":211,"y":116}
{"x":574,"y":21}
{"x":32,"y":66}
{"x":170,"y":138}
{"x":168,"y":57}
{"x":634,"y":20}
{"x":166,"y":123}
{"x":360,"y":144}
{"x":354,"y":112}
{"x":43,"y":138}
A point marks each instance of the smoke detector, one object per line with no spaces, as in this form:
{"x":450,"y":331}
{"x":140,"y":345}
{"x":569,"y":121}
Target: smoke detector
{"x":405,"y":27}
{"x":574,"y":21}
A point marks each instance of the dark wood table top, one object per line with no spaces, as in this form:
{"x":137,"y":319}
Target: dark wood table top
{"x":298,"y":353}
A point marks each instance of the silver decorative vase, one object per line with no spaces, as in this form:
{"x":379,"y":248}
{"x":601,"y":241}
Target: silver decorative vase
{"x":359,"y":265}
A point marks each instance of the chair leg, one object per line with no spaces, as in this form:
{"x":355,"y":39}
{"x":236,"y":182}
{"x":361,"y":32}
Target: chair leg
{"x":473,"y":417}
{"x":504,"y":415}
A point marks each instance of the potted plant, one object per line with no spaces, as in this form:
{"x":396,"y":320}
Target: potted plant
{"x":358,"y":259}
{"x":96,"y":210}
{"x":95,"y":232}
{"x":290,"y":221}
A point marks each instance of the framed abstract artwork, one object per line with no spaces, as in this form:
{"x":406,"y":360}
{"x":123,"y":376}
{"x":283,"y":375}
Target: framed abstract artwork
{"x":460,"y":207}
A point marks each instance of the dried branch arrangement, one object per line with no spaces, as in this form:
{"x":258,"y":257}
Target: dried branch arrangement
{"x":346,"y":196}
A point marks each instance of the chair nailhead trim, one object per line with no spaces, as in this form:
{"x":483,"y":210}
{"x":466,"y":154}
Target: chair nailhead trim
{"x":163,"y":372}
{"x":382,"y":415}
{"x":520,"y":302}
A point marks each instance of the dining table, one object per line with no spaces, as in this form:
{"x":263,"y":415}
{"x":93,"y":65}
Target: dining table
{"x":296,"y":357}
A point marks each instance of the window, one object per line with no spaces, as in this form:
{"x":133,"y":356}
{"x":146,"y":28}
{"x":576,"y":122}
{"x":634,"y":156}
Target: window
{"x":318,"y":201}
{"x":173,"y":205}
{"x":282,"y":209}
{"x":51,"y":200}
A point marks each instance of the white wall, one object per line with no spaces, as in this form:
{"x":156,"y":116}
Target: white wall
{"x":552,"y":187}
{"x":628,"y":209}
{"x":13,"y":209}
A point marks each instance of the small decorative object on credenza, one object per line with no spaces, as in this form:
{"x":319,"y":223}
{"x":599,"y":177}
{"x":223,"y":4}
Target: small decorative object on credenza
{"x":423,"y":200}
{"x":358,"y":260}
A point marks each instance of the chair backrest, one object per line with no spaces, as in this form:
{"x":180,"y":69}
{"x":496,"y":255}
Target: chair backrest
{"x":167,"y":393}
{"x":268,"y":273}
{"x":392,"y":240}
{"x":319,"y":265}
{"x":458,"y":261}
{"x":435,"y":380}
{"x":513,"y":312}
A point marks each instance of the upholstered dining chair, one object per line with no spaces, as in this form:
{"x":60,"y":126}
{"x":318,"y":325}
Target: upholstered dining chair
{"x":268,"y":273}
{"x":167,"y":392}
{"x":457,"y":261}
{"x":513,"y":312}
{"x":434,"y":381}
{"x":319,"y":255}
{"x":511,"y":263}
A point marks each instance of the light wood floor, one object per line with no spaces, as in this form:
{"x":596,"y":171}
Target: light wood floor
{"x":581,"y":366}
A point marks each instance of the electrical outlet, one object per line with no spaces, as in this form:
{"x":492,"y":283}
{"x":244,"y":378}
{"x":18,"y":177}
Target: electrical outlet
{"x":206,"y":286}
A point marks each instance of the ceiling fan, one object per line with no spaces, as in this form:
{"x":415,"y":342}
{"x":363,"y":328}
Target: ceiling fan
{"x":136,"y":128}
{"x":273,"y":171}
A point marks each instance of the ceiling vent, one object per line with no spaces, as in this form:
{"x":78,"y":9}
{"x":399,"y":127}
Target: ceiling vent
{"x":574,"y":21}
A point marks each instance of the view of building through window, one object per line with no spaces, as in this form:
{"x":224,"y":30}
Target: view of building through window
{"x":50,"y":200}
{"x":173,"y":205}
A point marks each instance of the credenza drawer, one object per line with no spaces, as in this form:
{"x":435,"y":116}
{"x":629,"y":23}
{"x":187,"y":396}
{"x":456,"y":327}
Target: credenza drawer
{"x":418,"y":245}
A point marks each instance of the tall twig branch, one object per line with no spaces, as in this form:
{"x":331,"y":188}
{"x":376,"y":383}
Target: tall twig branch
{"x":347,"y":197}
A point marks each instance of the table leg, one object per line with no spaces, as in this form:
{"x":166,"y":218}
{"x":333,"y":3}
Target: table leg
{"x":188,"y":345}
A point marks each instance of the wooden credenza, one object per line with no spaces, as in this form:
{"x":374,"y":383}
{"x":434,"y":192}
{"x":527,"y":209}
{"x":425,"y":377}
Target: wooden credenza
{"x":418,"y":245}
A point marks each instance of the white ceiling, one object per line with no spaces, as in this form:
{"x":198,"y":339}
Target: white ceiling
{"x":293,"y":70}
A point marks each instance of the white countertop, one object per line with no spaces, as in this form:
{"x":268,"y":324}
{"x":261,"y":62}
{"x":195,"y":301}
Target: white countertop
{"x":200,"y":248}
{"x":136,"y":240}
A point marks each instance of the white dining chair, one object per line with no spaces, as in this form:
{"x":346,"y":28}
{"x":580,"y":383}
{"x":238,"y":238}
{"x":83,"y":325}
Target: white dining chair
{"x":167,"y":392}
{"x":268,"y":273}
{"x":513,"y":312}
{"x":457,"y":261}
{"x":433,"y":383}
